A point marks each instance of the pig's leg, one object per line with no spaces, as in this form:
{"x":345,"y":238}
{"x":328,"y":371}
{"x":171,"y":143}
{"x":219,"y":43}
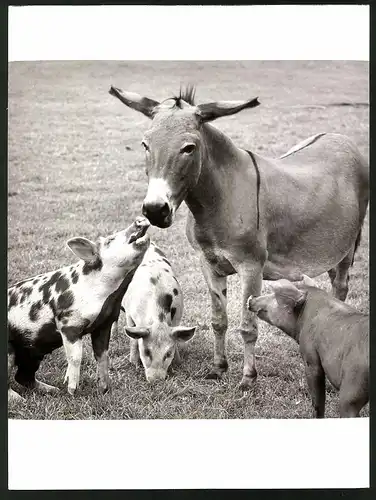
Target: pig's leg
{"x":73,"y":352}
{"x":25,"y":376}
{"x":177,"y":359}
{"x":114,"y":332}
{"x":134,"y":353}
{"x":12,"y":395}
{"x":114,"y":328}
{"x":353,"y":395}
{"x":46,"y":388}
{"x":100,"y":340}
{"x":349,"y":409}
{"x":316,"y":382}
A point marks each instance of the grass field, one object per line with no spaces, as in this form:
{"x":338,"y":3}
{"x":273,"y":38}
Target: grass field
{"x":76,"y":169}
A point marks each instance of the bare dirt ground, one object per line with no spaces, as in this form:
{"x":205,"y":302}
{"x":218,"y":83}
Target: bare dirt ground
{"x":76,"y":169}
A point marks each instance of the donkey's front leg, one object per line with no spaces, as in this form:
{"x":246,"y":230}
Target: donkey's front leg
{"x":218,"y":291}
{"x":251,"y":283}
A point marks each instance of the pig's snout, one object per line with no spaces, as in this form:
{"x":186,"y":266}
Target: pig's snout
{"x":153,"y":376}
{"x":141,"y":222}
{"x":138,"y":229}
{"x":252,"y":303}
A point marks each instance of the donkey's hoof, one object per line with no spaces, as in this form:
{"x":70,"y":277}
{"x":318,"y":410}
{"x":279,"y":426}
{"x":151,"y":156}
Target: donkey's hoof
{"x":247,"y":384}
{"x":214,"y":374}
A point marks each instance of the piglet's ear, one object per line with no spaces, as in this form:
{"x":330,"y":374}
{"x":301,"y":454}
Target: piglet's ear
{"x":84,"y":249}
{"x":137,"y":332}
{"x":183,"y":333}
{"x":288,"y":294}
{"x":309,"y":281}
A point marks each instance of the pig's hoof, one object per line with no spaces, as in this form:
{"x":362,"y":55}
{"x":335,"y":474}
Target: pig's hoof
{"x":176,"y":363}
{"x":14,"y":397}
{"x":71,"y":390}
{"x":46,"y":388}
{"x":103,"y":388}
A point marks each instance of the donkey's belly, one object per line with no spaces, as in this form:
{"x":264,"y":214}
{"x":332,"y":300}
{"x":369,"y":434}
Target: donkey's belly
{"x":311,"y":254}
{"x":291,"y":271}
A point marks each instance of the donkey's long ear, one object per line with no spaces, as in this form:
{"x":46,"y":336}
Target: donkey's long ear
{"x":213,"y":110}
{"x":135,"y":101}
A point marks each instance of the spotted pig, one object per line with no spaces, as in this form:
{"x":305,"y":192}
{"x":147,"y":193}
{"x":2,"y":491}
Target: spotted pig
{"x":333,"y":339}
{"x":154,"y":307}
{"x":59,"y":307}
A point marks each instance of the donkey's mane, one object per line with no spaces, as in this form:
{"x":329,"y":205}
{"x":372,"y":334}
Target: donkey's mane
{"x":187,"y":95}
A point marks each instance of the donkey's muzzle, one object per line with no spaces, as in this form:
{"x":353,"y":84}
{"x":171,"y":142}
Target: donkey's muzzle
{"x":158,"y":213}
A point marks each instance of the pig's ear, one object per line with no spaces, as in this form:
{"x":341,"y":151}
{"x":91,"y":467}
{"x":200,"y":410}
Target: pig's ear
{"x":183,"y":333}
{"x":288,"y":294}
{"x":308,"y":281}
{"x":137,"y":332}
{"x":84,"y":249}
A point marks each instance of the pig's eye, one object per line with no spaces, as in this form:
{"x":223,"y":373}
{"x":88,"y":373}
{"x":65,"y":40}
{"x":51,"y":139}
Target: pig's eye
{"x":146,"y":146}
{"x":147,"y":353}
{"x":108,"y":240}
{"x":168,"y":354}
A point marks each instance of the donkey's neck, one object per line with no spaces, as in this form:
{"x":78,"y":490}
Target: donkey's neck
{"x":221,"y":161}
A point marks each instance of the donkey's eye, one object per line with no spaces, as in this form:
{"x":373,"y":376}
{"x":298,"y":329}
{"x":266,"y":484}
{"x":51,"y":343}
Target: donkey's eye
{"x":147,"y":353}
{"x":145,"y":146}
{"x":188,"y":148}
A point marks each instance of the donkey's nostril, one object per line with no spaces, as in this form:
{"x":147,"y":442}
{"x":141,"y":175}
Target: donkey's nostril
{"x":165,"y":210}
{"x":144,"y":211}
{"x":157,"y":213}
{"x":156,"y":208}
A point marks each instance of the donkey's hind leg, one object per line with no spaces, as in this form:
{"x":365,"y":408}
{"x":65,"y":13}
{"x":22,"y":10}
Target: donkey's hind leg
{"x":340,"y":280}
{"x":332,"y":274}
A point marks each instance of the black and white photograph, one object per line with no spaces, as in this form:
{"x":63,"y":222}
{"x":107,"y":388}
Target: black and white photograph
{"x":188,"y":239}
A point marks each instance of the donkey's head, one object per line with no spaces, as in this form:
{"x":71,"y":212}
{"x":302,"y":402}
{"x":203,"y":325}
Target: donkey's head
{"x":174,"y":146}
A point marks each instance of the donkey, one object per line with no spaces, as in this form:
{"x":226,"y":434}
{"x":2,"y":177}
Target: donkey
{"x":249,"y":214}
